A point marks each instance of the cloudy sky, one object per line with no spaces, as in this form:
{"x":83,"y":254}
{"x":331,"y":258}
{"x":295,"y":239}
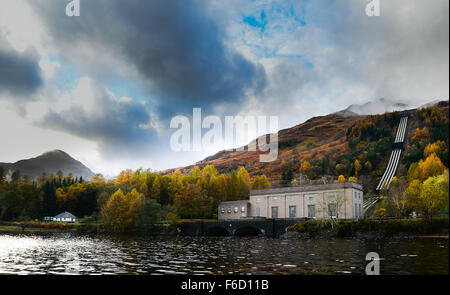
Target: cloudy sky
{"x":104,"y":86}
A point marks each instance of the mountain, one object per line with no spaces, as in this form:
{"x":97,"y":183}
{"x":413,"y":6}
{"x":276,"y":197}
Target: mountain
{"x":324,"y":142}
{"x":379,"y":106}
{"x":49,"y":162}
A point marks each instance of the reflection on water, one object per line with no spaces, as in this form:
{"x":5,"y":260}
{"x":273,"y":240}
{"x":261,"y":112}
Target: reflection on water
{"x":69,"y":254}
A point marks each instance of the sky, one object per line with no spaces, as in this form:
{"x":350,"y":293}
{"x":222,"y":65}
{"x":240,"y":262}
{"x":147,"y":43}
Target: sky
{"x":104,"y":86}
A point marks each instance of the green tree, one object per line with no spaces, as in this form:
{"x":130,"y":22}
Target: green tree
{"x":150,"y":214}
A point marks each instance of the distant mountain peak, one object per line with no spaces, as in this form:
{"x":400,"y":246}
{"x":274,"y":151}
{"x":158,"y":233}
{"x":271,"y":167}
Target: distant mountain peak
{"x":379,"y":106}
{"x":57,"y":153}
{"x":50,"y":162}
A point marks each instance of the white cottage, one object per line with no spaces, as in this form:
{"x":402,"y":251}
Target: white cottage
{"x":65,"y":217}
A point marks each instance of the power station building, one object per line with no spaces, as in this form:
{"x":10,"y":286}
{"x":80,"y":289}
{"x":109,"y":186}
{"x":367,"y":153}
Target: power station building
{"x":320,"y":201}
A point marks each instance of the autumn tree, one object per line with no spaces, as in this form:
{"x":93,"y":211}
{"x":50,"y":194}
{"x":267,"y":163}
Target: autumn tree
{"x":432,"y":166}
{"x":305,"y":167}
{"x":156,"y":189}
{"x":192,"y":202}
{"x":122,"y":212}
{"x":98,"y":179}
{"x":124,"y":179}
{"x":264,"y":183}
{"x":353,"y":179}
{"x":233,"y":186}
{"x":245,"y":183}
{"x":341,"y":178}
{"x":358,"y":167}
{"x":396,"y":194}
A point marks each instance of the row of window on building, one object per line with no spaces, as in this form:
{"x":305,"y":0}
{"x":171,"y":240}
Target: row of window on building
{"x":293,"y":211}
{"x":310,"y":197}
{"x":332,"y":211}
{"x":236,"y":209}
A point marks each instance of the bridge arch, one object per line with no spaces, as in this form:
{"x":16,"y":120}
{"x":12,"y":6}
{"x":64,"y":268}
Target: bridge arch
{"x":248,"y":230}
{"x":217,"y":231}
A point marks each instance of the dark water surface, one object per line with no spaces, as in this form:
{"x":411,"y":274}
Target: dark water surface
{"x":70,"y":254}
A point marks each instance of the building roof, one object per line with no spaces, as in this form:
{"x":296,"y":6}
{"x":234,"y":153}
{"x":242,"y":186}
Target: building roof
{"x":306,"y":188}
{"x":236,"y":202}
{"x":66,"y":215}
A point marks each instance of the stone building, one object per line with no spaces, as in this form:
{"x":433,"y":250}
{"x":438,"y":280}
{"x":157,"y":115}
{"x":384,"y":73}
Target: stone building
{"x":320,"y":201}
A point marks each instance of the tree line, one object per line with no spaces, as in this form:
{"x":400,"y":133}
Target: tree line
{"x":133,"y":199}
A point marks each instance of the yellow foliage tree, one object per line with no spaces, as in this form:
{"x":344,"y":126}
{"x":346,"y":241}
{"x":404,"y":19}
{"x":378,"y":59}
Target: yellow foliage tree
{"x":125,"y":178}
{"x":341,"y":178}
{"x":122,"y":212}
{"x":436,"y":148}
{"x":353,"y":179}
{"x":98,"y":179}
{"x":244,"y":179}
{"x":264,"y":182}
{"x":432,"y":166}
{"x":380,"y":212}
{"x":305,"y":167}
{"x":434,"y":194}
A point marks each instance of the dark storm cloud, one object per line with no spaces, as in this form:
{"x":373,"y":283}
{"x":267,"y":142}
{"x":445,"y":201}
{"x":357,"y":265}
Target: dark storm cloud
{"x":116,"y":125}
{"x":175,"y":46}
{"x":19,"y":73}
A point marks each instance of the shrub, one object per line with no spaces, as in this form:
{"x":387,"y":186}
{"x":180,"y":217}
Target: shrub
{"x":386,"y":227}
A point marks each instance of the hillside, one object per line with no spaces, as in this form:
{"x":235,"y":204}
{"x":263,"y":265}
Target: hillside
{"x":50,"y":162}
{"x":330,"y":144}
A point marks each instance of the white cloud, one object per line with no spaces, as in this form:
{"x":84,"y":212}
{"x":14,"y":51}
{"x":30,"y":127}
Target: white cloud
{"x":346,"y":58}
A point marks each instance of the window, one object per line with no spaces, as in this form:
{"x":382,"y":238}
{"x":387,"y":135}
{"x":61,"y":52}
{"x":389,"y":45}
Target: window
{"x":258,"y":200}
{"x":243,"y":209}
{"x":229,"y":210}
{"x":332,"y":210}
{"x":236,"y":209}
{"x":274,"y":199}
{"x":258,"y":211}
{"x":222,"y":210}
{"x":360,"y":210}
{"x":292,"y":211}
{"x":356,"y":210}
{"x":274,"y":212}
{"x":311,"y":211}
{"x":311,"y":197}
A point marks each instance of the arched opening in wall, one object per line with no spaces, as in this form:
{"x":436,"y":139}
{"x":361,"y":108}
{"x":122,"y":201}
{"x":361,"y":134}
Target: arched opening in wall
{"x":248,"y":231}
{"x":217,"y":231}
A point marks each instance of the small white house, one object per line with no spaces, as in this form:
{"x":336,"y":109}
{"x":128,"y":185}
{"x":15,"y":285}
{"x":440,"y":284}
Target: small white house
{"x":65,"y":217}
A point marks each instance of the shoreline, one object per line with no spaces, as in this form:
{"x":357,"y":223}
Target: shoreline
{"x":4,"y":230}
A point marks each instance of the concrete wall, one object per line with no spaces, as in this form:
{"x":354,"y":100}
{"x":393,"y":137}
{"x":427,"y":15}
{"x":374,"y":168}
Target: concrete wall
{"x":279,"y":202}
{"x":233,"y":209}
{"x":267,"y":227}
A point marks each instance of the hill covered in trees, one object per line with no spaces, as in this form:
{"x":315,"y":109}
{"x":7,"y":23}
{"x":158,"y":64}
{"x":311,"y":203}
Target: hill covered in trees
{"x":342,"y":147}
{"x":343,"y":143}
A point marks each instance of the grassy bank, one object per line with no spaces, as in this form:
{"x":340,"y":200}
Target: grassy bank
{"x":45,"y":227}
{"x":17,"y":229}
{"x":345,"y":228}
{"x":79,"y":228}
